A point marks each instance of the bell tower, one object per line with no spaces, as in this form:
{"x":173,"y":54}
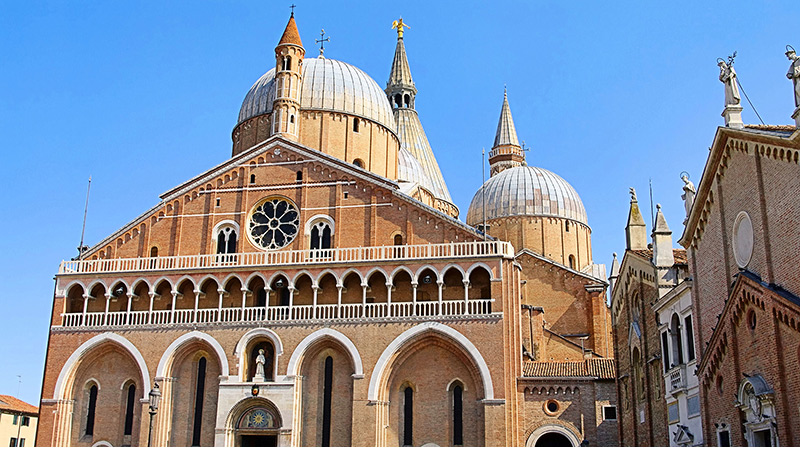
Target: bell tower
{"x":289,"y":56}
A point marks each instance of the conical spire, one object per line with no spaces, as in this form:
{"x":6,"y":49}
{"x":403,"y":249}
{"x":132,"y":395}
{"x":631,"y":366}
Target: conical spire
{"x":635,"y":231}
{"x":291,"y":35}
{"x":506,"y":133}
{"x":400,"y":75}
{"x":662,"y":241}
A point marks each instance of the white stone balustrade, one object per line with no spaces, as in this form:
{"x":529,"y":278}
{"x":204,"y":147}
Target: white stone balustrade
{"x":356,"y":312}
{"x":469,"y":249}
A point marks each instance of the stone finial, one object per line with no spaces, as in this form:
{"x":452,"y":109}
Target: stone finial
{"x":635,"y":230}
{"x":662,"y":241}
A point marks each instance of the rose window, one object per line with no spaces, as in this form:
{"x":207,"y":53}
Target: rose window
{"x":273,"y":223}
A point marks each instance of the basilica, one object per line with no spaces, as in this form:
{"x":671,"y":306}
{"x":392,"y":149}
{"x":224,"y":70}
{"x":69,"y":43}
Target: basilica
{"x":317,"y":288}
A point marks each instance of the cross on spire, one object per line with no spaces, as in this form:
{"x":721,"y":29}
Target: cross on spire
{"x":322,"y":41}
{"x":293,"y":7}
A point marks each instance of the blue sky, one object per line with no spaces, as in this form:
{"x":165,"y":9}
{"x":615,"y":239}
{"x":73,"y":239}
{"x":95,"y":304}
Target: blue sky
{"x":143,"y":95}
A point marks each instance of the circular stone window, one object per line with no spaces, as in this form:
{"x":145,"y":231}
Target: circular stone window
{"x":742,"y":239}
{"x":551,"y":407}
{"x":273,"y":223}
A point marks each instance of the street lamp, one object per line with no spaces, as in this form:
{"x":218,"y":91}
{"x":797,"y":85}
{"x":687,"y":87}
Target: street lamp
{"x":155,"y":399}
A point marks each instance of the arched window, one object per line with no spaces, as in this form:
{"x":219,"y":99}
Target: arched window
{"x":406,"y":100}
{"x":269,"y":360}
{"x":129,"y":404}
{"x":572,"y":261}
{"x":280,"y":287}
{"x":198,"y":400}
{"x":398,"y":240}
{"x":457,"y":394}
{"x":408,"y":416}
{"x":321,"y":238}
{"x":252,"y":179}
{"x":227,"y":236}
{"x":91,"y":410}
{"x":299,"y":176}
{"x":675,"y":335}
{"x":326,"y":402}
{"x":398,"y":101}
{"x":638,"y":376}
{"x":355,"y":125}
{"x":359,"y":163}
{"x":287,"y":63}
{"x":566,"y":226}
{"x":154,"y":251}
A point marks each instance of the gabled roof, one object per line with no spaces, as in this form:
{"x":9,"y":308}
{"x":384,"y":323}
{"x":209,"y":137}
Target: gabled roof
{"x":15,"y":405}
{"x":563,"y":267}
{"x":588,"y":368}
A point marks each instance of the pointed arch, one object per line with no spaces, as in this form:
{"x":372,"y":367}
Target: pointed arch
{"x":374,"y":270}
{"x":224,"y":283}
{"x":415,"y":277}
{"x":294,"y":361}
{"x":177,"y":284}
{"x":402,"y":268}
{"x":301,"y":273}
{"x":458,"y":267}
{"x":187,"y":338}
{"x":250,"y":279}
{"x":75,"y":283}
{"x":71,"y":365}
{"x":146,"y":283}
{"x":378,"y":373}
{"x":322,"y":273}
{"x":199,"y":284}
{"x":94,"y":284}
{"x":347,"y":272}
{"x":479,"y":265}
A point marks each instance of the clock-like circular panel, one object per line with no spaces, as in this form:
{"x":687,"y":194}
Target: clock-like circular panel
{"x":742,"y":239}
{"x":273,"y":223}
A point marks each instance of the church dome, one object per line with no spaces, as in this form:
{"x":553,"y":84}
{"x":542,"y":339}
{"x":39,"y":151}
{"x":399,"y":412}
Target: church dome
{"x":327,"y":85}
{"x":526,"y":191}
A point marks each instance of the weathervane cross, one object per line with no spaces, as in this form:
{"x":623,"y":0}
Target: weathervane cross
{"x":322,"y":41}
{"x":399,"y":24}
{"x":293,"y":7}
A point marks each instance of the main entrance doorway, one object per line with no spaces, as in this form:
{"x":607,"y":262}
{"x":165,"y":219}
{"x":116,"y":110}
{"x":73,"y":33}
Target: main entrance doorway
{"x":259,"y":441}
{"x":553,"y":439}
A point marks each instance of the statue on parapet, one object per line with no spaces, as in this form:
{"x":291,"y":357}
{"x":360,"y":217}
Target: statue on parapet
{"x":727,"y":75}
{"x":689,"y":193}
{"x":794,"y":73}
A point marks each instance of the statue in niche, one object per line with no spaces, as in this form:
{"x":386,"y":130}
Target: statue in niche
{"x":794,"y":73}
{"x":260,"y":361}
{"x":727,"y":75}
{"x":689,"y":193}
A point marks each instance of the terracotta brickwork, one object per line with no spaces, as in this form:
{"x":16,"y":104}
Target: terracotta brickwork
{"x":556,"y":238}
{"x":748,"y":310}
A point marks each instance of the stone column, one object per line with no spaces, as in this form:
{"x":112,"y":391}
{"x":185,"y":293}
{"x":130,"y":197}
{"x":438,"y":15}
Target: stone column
{"x":315,"y":290}
{"x":297,"y":413}
{"x":413,"y":298}
{"x":150,"y":311}
{"x":440,"y":283}
{"x":63,"y":423}
{"x":108,"y":303}
{"x":172,"y":311}
{"x":85,"y":306}
{"x":466,"y":295}
{"x":128,"y":313}
{"x":196,"y":304}
{"x":381,"y":422}
{"x":364,"y":299}
{"x":389,"y":299}
{"x":221,"y":293}
{"x":162,"y":422}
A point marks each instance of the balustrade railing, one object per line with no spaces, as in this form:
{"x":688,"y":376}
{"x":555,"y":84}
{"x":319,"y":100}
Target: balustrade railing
{"x":469,"y":249}
{"x":677,"y":378}
{"x":283,"y":314}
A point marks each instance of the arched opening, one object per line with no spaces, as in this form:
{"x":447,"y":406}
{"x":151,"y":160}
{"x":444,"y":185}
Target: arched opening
{"x":209,"y":295}
{"x":255,"y":422}
{"x":327,"y":294}
{"x":427,"y":288}
{"x":119,"y":297}
{"x":320,"y":241}
{"x":130,"y":404}
{"x":91,"y":408}
{"x":255,"y":348}
{"x":75,"y":299}
{"x":280,"y":291}
{"x":675,"y":336}
{"x":553,"y":439}
{"x":402,"y":293}
{"x":303,"y":291}
{"x":97,"y":299}
{"x":408,"y":416}
{"x":327,"y":395}
{"x":196,"y":370}
{"x":453,"y":287}
{"x":480,"y":284}
{"x":359,"y":163}
{"x":298,"y":176}
{"x":638,"y":375}
{"x":226,"y":242}
{"x":457,"y":401}
{"x":185,"y":298}
{"x":257,"y":296}
{"x":352,"y":292}
{"x":252,"y":179}
{"x":572,"y":261}
{"x":140,"y":301}
{"x":232,"y":298}
{"x":406,"y":101}
{"x":377,"y":292}
{"x":398,"y":101}
{"x":154,"y":251}
{"x":355,"y":125}
{"x":162,"y":300}
{"x":398,"y":240}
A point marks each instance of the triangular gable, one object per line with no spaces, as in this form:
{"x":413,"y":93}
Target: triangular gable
{"x":208,"y":178}
{"x":569,"y":270}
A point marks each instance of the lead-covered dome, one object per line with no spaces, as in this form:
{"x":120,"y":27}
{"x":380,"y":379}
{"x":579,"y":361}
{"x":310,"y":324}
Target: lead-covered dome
{"x":526,"y":191}
{"x":327,"y":85}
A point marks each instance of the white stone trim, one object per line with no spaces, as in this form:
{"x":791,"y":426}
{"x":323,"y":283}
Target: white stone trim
{"x":312,"y":220}
{"x":552,"y":428}
{"x":60,"y":391}
{"x":394,"y":346}
{"x":480,"y":264}
{"x":245,"y":340}
{"x":183,"y":339}
{"x":294,"y":361}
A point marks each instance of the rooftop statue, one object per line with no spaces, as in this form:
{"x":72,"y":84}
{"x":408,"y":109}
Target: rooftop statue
{"x":727,"y":75}
{"x":794,"y":73}
{"x":688,"y":195}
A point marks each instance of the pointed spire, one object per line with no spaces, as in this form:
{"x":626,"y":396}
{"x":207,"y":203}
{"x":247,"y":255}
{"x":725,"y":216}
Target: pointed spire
{"x":291,"y":35}
{"x":612,"y":278}
{"x":635,"y":231}
{"x":400,"y":75}
{"x":506,"y":133}
{"x":663,"y":255}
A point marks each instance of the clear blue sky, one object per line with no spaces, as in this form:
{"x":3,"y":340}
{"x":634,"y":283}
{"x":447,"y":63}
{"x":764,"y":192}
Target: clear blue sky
{"x":143,"y":95}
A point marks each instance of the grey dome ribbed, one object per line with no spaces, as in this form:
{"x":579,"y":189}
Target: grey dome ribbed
{"x":328,"y":85}
{"x":526,"y":191}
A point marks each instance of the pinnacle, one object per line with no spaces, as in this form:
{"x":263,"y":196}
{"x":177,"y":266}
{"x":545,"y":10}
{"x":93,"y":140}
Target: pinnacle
{"x":400,"y":75}
{"x":291,"y":35}
{"x":506,"y":133}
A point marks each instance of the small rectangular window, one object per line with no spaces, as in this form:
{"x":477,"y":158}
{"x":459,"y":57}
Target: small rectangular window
{"x":665,"y":351}
{"x":355,"y":125}
{"x":673,"y":413}
{"x":218,"y":202}
{"x":693,"y":406}
{"x":21,"y":442}
{"x":13,"y":442}
{"x":16,"y":418}
{"x":345,"y":195}
{"x":26,"y":421}
{"x":609,"y":413}
{"x":723,"y":438}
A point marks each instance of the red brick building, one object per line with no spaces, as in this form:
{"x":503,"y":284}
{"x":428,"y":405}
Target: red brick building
{"x":742,"y":238}
{"x":316,"y":289}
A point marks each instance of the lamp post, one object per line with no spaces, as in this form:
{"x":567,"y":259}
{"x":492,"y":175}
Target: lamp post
{"x":155,"y":399}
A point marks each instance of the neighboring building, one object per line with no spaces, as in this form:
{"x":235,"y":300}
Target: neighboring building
{"x":649,"y":283}
{"x":743,"y":240}
{"x":316,"y":289}
{"x":18,"y":422}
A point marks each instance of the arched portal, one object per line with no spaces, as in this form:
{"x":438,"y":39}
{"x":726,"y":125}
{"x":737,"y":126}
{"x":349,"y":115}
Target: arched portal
{"x":254,"y":422}
{"x":553,"y":439}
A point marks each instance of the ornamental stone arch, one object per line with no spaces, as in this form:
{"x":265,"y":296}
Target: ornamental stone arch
{"x":398,"y":270}
{"x":294,"y":362}
{"x":166,"y":358}
{"x":380,"y":372}
{"x":240,"y":353}
{"x":562,"y":428}
{"x":477,"y":265}
{"x":65,"y":378}
{"x":236,"y":425}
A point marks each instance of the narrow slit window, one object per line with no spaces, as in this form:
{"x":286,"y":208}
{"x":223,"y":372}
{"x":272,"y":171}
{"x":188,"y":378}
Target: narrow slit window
{"x":299,"y":176}
{"x":355,"y":125}
{"x":198,"y":401}
{"x":91,"y":410}
{"x":326,"y":402}
{"x":408,"y":418}
{"x":458,"y":416}
{"x":252,"y":179}
{"x":131,"y":401}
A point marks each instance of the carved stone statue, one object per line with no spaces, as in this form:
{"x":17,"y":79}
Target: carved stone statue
{"x":688,"y":196}
{"x":727,"y":75}
{"x":794,"y":73}
{"x":633,"y":195}
{"x":260,"y":361}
